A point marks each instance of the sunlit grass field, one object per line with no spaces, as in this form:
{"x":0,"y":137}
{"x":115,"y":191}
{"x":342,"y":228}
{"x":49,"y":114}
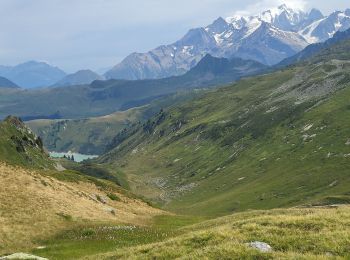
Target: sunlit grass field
{"x":297,"y":233}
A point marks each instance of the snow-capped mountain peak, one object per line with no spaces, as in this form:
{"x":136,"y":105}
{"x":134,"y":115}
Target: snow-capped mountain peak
{"x":218,"y":26}
{"x":273,"y":14}
{"x":323,"y":29}
{"x":284,"y":17}
{"x":267,"y":37}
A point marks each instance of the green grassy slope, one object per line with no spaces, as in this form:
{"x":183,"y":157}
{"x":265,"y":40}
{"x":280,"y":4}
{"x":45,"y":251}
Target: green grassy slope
{"x":91,"y":135}
{"x":18,"y":145}
{"x":270,"y":141}
{"x":86,"y":136}
{"x":293,"y":234}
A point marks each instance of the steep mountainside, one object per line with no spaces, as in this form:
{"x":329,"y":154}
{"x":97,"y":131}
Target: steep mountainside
{"x":5,"y":83}
{"x":269,"y":141}
{"x":322,"y":29}
{"x":314,"y":49}
{"x":268,"y":37}
{"x":86,"y":136}
{"x":32,"y":74}
{"x":81,"y":77}
{"x":106,"y":97}
{"x":91,"y":135}
{"x":19,"y":145}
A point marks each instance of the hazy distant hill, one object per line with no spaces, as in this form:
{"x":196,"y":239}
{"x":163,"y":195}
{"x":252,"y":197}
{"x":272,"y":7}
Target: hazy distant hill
{"x":106,"y":97}
{"x":5,"y":83}
{"x":32,"y":74}
{"x":79,"y":78}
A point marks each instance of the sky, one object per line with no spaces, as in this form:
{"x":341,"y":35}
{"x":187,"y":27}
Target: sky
{"x":97,"y":34}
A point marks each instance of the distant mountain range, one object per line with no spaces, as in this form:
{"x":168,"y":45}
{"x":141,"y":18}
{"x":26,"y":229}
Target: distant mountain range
{"x":268,"y":38}
{"x":32,"y":74}
{"x":105,"y":97}
{"x":79,"y":78}
{"x":5,"y":83}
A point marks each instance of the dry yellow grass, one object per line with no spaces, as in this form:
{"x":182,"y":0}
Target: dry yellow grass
{"x":34,"y":207}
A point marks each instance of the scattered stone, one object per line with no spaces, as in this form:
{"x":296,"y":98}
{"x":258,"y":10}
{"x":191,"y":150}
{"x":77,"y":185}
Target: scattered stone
{"x":261,"y":246}
{"x":23,"y":256}
{"x":240,"y":179}
{"x":347,"y":142}
{"x":272,"y":109}
{"x":307,"y":137}
{"x":101,"y":199}
{"x":307,"y":127}
{"x":334,"y":183}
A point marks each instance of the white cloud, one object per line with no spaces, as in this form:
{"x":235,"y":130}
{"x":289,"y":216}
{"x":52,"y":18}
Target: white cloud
{"x":264,"y":5}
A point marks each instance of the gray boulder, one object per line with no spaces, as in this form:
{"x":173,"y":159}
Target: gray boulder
{"x":261,"y":246}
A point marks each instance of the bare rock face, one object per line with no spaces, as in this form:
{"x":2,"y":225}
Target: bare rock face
{"x":15,"y":121}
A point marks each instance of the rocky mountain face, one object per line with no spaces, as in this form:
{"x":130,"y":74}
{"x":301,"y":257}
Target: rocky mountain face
{"x":313,"y":49}
{"x":268,"y":38}
{"x":79,"y":78}
{"x":324,"y":28}
{"x":32,"y":74}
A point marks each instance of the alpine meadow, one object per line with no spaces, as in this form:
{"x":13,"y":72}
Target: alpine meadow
{"x":232,"y":142}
